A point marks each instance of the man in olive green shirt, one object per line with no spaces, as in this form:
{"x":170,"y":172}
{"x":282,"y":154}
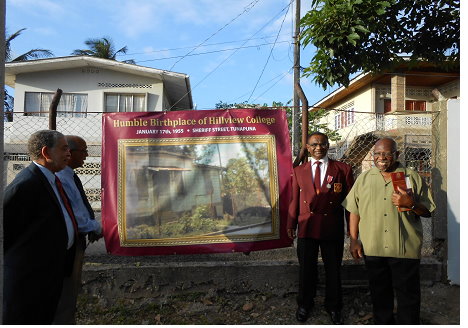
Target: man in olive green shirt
{"x":390,"y":240}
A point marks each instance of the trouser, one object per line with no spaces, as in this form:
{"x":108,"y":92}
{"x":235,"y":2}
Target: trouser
{"x":66,"y":309}
{"x":389,"y":274}
{"x":332,"y":255}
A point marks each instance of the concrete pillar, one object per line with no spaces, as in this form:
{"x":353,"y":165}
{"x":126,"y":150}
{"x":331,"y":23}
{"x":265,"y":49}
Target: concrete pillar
{"x":453,"y":191}
{"x":398,"y":85}
{"x":439,"y":182}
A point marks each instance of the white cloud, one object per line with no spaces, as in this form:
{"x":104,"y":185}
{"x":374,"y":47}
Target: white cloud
{"x":137,"y":17}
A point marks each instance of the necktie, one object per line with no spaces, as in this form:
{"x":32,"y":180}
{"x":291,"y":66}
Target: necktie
{"x":65,"y":201}
{"x":317,"y":180}
{"x":79,"y":185}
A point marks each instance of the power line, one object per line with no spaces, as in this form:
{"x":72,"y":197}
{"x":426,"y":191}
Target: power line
{"x":246,"y":9}
{"x":233,"y":53}
{"x":210,"y":52}
{"x":283,"y":76}
{"x":271,"y":51}
{"x":280,"y":76}
{"x":189,"y":47}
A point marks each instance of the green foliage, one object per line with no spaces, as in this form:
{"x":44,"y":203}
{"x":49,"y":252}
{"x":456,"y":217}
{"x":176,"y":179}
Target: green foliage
{"x":197,"y":222}
{"x":372,"y":36}
{"x":239,"y":177}
{"x":313,"y":116}
{"x":102,"y":48}
{"x":8,"y":102}
{"x":31,"y":54}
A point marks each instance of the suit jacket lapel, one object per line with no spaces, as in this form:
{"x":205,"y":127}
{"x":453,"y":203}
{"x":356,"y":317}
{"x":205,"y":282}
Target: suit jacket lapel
{"x":37,"y":171}
{"x":307,"y":178}
{"x":331,"y":172}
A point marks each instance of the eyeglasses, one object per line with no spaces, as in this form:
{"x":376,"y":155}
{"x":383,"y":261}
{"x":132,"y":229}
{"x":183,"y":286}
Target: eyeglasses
{"x":386,"y":155}
{"x":314,"y":145}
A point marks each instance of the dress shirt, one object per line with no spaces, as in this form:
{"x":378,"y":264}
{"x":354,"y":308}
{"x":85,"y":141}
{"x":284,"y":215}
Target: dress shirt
{"x":83,"y":219}
{"x":68,"y":221}
{"x":323,"y":168}
{"x":383,"y":230}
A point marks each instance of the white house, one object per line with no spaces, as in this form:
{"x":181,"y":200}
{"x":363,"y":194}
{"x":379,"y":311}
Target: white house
{"x":91,"y":86}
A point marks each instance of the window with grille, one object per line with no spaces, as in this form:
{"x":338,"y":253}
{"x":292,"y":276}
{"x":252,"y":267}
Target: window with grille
{"x":124,"y":102}
{"x":345,"y":117}
{"x":70,"y":104}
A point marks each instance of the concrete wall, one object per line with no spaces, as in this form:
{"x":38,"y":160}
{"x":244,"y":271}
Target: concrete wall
{"x":156,"y":282}
{"x":453,"y":191}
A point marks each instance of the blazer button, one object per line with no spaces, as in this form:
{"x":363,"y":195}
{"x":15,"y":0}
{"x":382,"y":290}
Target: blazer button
{"x":305,"y":202}
{"x":331,"y":202}
{"x":325,"y":214}
{"x":311,"y":212}
{"x":300,"y":189}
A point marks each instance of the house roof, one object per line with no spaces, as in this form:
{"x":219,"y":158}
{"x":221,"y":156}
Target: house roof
{"x":424,"y":75}
{"x":177,"y":85}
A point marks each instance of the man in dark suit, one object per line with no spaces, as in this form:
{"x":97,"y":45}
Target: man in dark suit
{"x":39,"y":238}
{"x":318,"y":188}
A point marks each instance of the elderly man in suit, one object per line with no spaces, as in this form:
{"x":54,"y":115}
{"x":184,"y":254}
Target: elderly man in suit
{"x":87,"y":225}
{"x":39,"y":234}
{"x":318,"y":188}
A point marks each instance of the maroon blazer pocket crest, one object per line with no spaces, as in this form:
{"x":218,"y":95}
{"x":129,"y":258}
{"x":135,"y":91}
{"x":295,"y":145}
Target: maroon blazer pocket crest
{"x":337,"y":187}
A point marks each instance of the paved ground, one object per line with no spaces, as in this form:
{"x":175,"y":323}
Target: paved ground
{"x":440,"y":306}
{"x":440,"y":302}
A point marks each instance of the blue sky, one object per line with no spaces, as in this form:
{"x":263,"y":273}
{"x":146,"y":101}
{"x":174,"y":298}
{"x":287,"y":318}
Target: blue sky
{"x":159,"y":32}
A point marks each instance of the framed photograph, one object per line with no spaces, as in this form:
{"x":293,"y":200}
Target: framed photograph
{"x":197,"y":190}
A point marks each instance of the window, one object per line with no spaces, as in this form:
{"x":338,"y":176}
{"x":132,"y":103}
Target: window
{"x":350,"y":116}
{"x":116,"y":102}
{"x":337,"y":121}
{"x":387,"y":105}
{"x":419,"y":105}
{"x":413,"y":105}
{"x":70,"y":105}
{"x":345,"y":117}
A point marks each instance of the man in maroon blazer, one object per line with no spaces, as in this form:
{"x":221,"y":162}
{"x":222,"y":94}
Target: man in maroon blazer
{"x":318,"y":188}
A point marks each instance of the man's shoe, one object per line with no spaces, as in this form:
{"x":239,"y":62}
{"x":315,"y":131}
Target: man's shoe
{"x":335,"y":317}
{"x":302,"y":314}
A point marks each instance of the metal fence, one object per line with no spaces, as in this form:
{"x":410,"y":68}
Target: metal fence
{"x":357,"y":133}
{"x":413,"y":132}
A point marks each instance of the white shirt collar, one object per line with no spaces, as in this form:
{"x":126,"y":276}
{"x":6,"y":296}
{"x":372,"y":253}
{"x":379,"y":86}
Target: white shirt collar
{"x":322,"y":160}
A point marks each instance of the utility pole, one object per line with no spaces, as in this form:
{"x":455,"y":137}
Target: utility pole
{"x":296,"y":136}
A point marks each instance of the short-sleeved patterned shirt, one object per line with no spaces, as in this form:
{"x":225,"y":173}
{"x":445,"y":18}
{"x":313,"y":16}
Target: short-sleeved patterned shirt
{"x":383,"y":230}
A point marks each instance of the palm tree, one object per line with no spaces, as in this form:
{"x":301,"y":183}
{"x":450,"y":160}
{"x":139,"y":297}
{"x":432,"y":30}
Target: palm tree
{"x":102,"y":48}
{"x":31,"y":54}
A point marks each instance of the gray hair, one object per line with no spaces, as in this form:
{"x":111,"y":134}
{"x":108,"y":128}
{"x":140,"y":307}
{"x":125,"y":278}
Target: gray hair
{"x":42,"y":138}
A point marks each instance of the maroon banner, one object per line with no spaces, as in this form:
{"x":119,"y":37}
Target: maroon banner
{"x":188,"y":182}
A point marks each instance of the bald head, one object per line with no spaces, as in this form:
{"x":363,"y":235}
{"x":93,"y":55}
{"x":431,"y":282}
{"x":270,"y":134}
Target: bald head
{"x":78,"y":150}
{"x":387,"y":143}
{"x":385,"y":155}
